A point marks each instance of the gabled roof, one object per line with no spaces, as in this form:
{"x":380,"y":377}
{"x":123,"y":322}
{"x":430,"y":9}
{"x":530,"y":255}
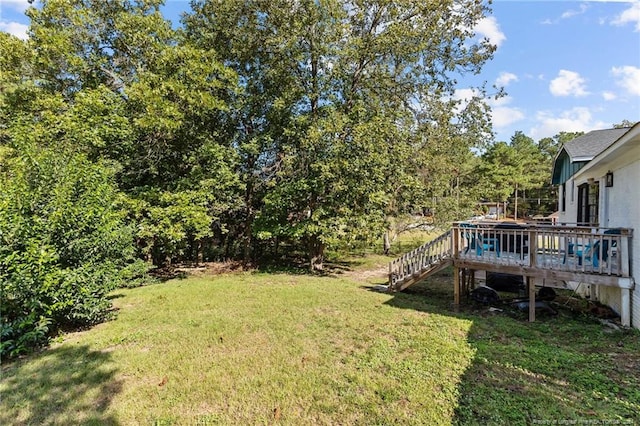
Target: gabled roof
{"x":579,"y":151}
{"x":624,"y":150}
{"x":585,"y":147}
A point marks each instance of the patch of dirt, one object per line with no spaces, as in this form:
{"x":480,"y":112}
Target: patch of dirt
{"x":201,"y":269}
{"x":381,"y":272}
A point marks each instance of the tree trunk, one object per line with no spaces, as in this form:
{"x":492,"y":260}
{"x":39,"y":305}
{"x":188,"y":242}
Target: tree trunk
{"x":199,"y":252}
{"x":246,"y":249}
{"x":249,"y":217}
{"x":316,"y":254}
{"x":515,"y":213}
{"x":386,"y":243}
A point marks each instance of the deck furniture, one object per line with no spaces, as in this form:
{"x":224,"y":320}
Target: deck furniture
{"x":479,"y":241}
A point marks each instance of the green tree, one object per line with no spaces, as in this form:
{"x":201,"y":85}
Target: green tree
{"x":531,"y":169}
{"x":102,"y":98}
{"x":116,"y":82}
{"x":624,"y":123}
{"x":498,"y":171}
{"x":350,"y":90}
{"x":549,"y":148}
{"x":508,"y":169}
{"x":255,"y":40}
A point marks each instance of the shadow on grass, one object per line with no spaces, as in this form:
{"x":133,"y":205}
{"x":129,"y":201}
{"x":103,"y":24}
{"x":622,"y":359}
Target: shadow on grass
{"x":63,"y":385}
{"x":301,"y":267}
{"x":562,"y":368}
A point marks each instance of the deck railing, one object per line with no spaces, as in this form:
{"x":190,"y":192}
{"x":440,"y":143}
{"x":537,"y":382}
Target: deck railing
{"x":415,"y":262}
{"x":579,"y":249}
{"x":531,"y":249}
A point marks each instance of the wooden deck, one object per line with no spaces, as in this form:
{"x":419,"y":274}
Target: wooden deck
{"x":598,"y":256}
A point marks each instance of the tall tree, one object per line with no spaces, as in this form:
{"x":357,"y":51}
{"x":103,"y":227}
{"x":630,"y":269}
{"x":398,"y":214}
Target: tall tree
{"x":117,"y":82}
{"x":498,"y":171}
{"x":531,"y":169}
{"x":338,"y":95}
{"x":508,"y":170}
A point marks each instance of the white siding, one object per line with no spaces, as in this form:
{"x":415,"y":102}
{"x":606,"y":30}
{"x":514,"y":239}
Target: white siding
{"x":624,"y":212}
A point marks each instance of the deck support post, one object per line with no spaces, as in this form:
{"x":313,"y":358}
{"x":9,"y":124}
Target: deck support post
{"x":471,"y":282}
{"x":625,"y":307}
{"x":624,"y":260}
{"x":456,"y":287}
{"x":531,"y":286}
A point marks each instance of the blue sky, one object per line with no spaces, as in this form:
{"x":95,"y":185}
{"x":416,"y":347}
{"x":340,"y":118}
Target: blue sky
{"x":565,"y":65}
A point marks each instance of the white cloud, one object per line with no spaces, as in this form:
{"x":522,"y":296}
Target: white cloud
{"x":502,"y":117}
{"x":15,"y":28}
{"x":609,"y":96}
{"x":628,"y":78}
{"x":505,"y":78}
{"x":17,"y":5}
{"x":568,"y":83}
{"x":488,"y":27}
{"x":463,"y":97}
{"x":570,"y":13}
{"x":566,"y":15}
{"x":501,"y":101}
{"x":631,"y":15}
{"x":578,"y":119}
{"x":465,"y":94}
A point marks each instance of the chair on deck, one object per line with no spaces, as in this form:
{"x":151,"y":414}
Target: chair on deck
{"x":476,"y":240}
{"x":594,"y":253}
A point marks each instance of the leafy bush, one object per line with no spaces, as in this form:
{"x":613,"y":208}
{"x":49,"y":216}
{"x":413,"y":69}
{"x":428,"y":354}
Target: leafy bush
{"x":19,"y":336}
{"x":135,"y":274}
{"x":63,"y":245}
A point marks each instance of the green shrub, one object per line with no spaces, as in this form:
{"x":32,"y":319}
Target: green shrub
{"x":63,"y":244}
{"x":23,"y":334}
{"x":135,"y":274}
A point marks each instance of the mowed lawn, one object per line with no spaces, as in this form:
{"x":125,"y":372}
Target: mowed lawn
{"x":282,"y":348}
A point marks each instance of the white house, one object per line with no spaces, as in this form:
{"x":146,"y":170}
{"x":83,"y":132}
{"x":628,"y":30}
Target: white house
{"x":598,"y":175}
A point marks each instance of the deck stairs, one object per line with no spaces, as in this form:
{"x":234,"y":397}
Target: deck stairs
{"x":421,"y":262}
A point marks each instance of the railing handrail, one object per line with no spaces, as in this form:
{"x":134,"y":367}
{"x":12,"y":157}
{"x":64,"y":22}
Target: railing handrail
{"x":543,"y":226}
{"x":580,"y":249}
{"x":568,"y":249}
{"x":419,"y":259}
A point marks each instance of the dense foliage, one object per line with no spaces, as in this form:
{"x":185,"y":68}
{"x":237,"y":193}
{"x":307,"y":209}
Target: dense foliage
{"x":519,"y":173}
{"x":63,"y":244}
{"x":346,"y":115}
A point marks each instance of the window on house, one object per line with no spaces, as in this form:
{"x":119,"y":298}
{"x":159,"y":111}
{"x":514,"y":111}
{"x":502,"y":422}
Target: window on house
{"x":563,"y":199}
{"x":588,"y":204}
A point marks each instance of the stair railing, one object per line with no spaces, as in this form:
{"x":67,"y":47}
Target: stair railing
{"x":419,"y":260}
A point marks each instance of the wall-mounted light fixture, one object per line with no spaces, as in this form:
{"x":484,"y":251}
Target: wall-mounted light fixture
{"x":608,"y":179}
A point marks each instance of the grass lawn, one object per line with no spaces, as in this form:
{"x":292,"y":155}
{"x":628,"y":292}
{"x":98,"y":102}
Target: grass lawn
{"x":286,"y":348}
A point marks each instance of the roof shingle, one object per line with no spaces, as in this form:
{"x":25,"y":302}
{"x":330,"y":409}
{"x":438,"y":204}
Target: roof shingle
{"x":593,"y":143}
